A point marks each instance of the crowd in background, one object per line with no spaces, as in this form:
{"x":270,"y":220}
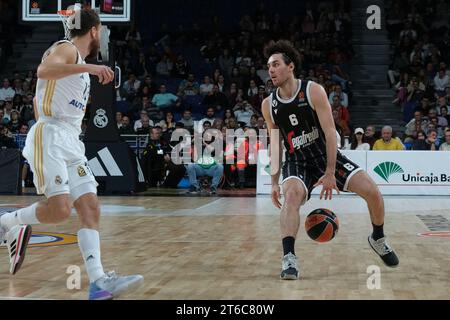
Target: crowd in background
{"x":420,"y":72}
{"x":204,"y":76}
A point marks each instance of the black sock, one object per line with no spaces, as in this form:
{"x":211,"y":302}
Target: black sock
{"x":288,"y":245}
{"x":377,"y":232}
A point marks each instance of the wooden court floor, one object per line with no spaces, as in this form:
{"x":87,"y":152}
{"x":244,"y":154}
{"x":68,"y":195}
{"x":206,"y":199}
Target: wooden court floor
{"x":230,"y":248}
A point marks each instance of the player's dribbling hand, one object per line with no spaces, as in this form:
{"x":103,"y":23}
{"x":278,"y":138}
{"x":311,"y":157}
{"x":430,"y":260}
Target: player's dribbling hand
{"x":328,"y":182}
{"x":104,"y":73}
{"x":276,"y":196}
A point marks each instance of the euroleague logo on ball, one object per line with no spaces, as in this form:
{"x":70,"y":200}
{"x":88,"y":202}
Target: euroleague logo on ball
{"x":41,"y":239}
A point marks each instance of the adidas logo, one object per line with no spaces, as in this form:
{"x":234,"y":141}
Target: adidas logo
{"x":386,"y":169}
{"x":105,"y":158}
{"x":105,"y":163}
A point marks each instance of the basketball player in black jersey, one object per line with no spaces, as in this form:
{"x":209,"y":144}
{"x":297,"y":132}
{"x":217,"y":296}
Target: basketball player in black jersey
{"x":302,"y":113}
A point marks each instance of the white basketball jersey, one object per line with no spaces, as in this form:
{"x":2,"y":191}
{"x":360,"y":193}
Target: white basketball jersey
{"x":64,"y":100}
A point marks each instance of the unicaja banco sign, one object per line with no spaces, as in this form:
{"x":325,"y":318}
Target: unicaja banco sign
{"x":386,"y":169}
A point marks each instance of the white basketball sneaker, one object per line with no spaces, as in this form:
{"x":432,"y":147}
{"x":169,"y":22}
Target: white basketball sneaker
{"x":111,"y":286}
{"x":289,"y":267}
{"x":17,"y":240}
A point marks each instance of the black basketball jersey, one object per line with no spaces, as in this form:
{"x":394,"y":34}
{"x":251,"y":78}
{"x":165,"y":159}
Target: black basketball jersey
{"x":299,"y":124}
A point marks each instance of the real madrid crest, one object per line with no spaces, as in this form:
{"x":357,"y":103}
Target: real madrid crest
{"x":100,"y":119}
{"x":58,"y":180}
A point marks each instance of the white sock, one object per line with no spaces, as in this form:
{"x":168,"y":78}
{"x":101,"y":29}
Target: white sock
{"x":89,"y":243}
{"x":22,"y":216}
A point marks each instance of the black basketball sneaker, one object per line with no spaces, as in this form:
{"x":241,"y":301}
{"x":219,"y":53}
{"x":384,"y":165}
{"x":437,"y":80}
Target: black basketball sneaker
{"x":384,"y":250}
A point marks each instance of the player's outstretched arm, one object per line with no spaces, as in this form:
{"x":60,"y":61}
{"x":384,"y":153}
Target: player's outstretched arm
{"x":60,"y":62}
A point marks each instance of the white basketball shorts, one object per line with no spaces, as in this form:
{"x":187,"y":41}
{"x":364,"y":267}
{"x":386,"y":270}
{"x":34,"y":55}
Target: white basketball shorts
{"x":57,"y":158}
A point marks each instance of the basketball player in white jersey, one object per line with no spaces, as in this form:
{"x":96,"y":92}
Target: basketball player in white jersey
{"x":56,"y":156}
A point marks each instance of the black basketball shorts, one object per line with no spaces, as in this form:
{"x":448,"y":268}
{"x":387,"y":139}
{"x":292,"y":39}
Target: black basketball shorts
{"x":310,"y":171}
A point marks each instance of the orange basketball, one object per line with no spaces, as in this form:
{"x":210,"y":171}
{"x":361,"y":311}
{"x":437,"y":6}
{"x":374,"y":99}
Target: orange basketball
{"x":321,"y":225}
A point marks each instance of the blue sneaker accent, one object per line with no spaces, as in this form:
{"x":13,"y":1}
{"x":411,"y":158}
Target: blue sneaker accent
{"x":95,"y":293}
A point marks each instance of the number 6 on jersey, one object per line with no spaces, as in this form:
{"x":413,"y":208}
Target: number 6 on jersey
{"x":293,"y":119}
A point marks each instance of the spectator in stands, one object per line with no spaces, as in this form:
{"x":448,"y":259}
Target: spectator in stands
{"x":444,"y":113}
{"x":18,"y":87}
{"x":27,"y":110}
{"x":243,"y":112}
{"x":206,"y":165}
{"x":387,"y":142}
{"x":441,"y":82}
{"x":226,"y":62}
{"x":26,"y":88}
{"x":401,"y":89}
{"x":253,"y":122}
{"x":207,"y":125}
{"x":210,"y":117}
{"x":6,"y":139}
{"x":231,"y":93}
{"x":357,"y":141}
{"x":221,"y":84}
{"x":15,"y":122}
{"x":399,"y":67}
{"x":261,"y":123}
{"x":153,"y":158}
{"x":343,"y":97}
{"x":141,"y":66}
{"x":164,"y":67}
{"x":181,"y":68}
{"x":341,"y":126}
{"x":408,"y":32}
{"x":168,"y":122}
{"x":446,"y":145}
{"x":424,"y":106}
{"x":254,"y":76}
{"x":131,"y":87}
{"x":216,"y":99}
{"x":237,"y":78}
{"x":7,"y":111}
{"x":257,"y":100}
{"x":189,"y":81}
{"x":252,"y":89}
{"x":344,"y":115}
{"x":22,"y":136}
{"x":187,"y":120}
{"x":6,"y":92}
{"x":227,"y":115}
{"x":119,"y":116}
{"x":418,"y":123}
{"x":165,"y":100}
{"x":415,"y":90}
{"x":441,"y":121}
{"x":126,"y":127}
{"x":430,"y":143}
{"x":143,"y":117}
{"x":442,"y":102}
{"x":144,"y":127}
{"x":206,"y":87}
{"x":151,"y":87}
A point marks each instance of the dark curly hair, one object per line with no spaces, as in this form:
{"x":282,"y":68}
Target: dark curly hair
{"x":287,"y":50}
{"x":88,"y":18}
